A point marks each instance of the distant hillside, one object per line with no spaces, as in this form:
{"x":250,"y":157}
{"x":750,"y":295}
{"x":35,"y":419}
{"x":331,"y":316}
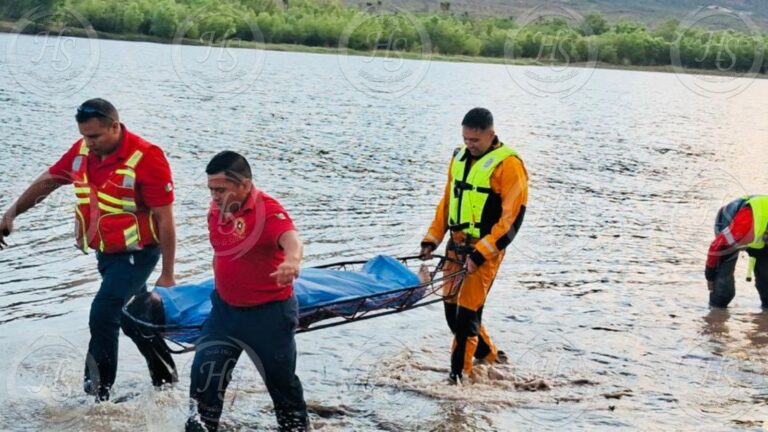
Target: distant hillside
{"x":650,"y":12}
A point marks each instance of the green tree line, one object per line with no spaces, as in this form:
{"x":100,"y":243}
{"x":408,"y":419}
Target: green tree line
{"x":327,"y":23}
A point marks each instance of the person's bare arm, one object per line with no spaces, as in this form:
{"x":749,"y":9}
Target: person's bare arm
{"x":293,"y":247}
{"x":166,"y":230}
{"x":37,"y":191}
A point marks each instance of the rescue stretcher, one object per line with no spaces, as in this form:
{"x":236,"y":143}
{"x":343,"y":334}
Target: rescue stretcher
{"x":328,"y":295}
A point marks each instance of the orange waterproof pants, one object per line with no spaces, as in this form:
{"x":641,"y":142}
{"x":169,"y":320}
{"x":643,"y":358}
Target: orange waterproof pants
{"x":464,"y":311}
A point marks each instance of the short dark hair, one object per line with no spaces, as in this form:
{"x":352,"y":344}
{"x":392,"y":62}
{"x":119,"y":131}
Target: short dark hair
{"x":232,"y":164}
{"x":97,"y":108}
{"x":478,"y":118}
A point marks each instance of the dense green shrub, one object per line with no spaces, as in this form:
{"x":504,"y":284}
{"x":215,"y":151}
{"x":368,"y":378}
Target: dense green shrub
{"x":328,"y":22}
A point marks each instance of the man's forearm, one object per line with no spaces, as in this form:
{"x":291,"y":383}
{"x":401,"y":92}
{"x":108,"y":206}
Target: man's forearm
{"x":293,"y":247}
{"x":168,"y":249}
{"x":167,"y":234}
{"x":439,"y":225}
{"x":296,"y":251}
{"x":36,"y":192}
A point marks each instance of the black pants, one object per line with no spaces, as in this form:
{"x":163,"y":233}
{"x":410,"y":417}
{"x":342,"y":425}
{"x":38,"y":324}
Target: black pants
{"x":148,"y":307}
{"x":122,"y":276}
{"x":725,"y":282}
{"x":266,"y":334}
{"x":464,"y":323}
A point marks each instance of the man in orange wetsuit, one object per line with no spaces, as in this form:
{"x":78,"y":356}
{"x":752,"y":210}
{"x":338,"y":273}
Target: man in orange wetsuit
{"x":483,"y":206}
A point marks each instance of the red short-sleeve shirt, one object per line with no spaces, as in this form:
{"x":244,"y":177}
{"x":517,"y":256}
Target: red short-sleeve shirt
{"x":154,"y":184}
{"x":246,"y":250}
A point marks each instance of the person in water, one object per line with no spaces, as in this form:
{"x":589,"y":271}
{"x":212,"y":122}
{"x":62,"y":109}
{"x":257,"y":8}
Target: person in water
{"x":257,"y":253}
{"x":124,"y":212}
{"x":739,"y":225}
{"x":482,"y":206}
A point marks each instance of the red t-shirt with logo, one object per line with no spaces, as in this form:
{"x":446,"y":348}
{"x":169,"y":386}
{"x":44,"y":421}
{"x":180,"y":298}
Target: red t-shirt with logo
{"x":154,"y":185}
{"x":246,"y":250}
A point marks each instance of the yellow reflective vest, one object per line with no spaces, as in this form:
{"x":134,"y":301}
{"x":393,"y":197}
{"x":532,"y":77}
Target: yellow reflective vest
{"x":471,"y":188}
{"x":759,"y":205}
{"x":107,"y":218}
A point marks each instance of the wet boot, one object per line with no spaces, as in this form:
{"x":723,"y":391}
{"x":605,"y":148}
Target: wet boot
{"x":193,"y":425}
{"x":101,"y":393}
{"x":291,"y":421}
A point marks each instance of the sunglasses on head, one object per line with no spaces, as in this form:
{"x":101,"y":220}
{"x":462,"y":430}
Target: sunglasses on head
{"x":87,"y":109}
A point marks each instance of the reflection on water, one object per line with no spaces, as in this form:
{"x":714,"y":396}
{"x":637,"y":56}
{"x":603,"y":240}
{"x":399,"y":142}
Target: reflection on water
{"x":749,"y":335}
{"x":758,"y":335}
{"x":601,"y":303}
{"x":716,"y":325}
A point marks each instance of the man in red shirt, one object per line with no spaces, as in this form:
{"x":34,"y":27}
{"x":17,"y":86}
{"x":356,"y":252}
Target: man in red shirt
{"x":257,"y":253}
{"x":740,"y":225}
{"x":124,"y":211}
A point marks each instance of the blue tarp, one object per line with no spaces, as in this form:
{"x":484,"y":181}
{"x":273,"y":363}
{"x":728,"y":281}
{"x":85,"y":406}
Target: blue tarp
{"x":315,"y":289}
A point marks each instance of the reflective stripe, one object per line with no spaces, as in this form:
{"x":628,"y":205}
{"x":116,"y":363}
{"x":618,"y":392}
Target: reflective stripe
{"x":488,"y":246}
{"x":729,"y":236}
{"x":77,"y":163}
{"x":80,"y":223}
{"x":131,"y":236}
{"x":130,"y":230}
{"x":134,"y":159}
{"x":113,"y":200}
{"x":152,"y":226}
{"x":129,"y":177}
{"x":110,"y":209}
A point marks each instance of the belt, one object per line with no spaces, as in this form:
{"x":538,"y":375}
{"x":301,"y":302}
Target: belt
{"x":461,"y":249}
{"x":459,"y":227}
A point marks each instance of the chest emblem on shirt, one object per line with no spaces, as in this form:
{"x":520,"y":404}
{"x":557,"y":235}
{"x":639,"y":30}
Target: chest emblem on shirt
{"x":240,"y":227}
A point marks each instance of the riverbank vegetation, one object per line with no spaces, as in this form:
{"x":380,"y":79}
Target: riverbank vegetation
{"x":376,"y":26}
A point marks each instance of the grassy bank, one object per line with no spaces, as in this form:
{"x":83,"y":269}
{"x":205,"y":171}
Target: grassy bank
{"x":328,"y":24}
{"x":10,"y":27}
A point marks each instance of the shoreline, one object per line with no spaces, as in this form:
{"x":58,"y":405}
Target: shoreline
{"x":9,"y":27}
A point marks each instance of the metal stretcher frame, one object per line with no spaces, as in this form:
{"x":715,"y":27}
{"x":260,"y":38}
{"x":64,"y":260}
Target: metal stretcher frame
{"x":388,"y":302}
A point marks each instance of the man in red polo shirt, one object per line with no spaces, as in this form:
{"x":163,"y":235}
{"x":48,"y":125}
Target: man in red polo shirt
{"x":124,"y":211}
{"x":257,"y":253}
